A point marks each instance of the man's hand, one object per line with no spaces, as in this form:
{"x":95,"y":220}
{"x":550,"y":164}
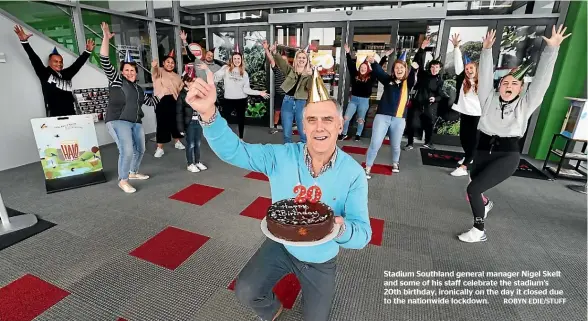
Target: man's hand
{"x":90,"y":45}
{"x":489,"y":39}
{"x":455,"y":40}
{"x":339,"y":220}
{"x":202,"y":94}
{"x":432,"y":99}
{"x":22,"y":36}
{"x":556,"y":37}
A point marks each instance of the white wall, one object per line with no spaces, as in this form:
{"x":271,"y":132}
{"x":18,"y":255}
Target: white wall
{"x":22,"y":98}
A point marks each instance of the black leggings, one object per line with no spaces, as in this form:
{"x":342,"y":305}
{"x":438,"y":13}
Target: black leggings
{"x":496,"y":160}
{"x":468,"y":136}
{"x":165,"y":116}
{"x":427,"y":119}
{"x":240,"y":107}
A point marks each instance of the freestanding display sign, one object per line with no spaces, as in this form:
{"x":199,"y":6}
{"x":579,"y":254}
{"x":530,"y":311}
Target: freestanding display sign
{"x":69,"y":152}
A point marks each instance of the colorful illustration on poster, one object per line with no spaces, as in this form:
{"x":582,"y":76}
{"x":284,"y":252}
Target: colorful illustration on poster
{"x":67,"y":147}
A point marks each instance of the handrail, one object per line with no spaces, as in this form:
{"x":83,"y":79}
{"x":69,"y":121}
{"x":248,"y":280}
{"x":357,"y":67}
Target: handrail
{"x":100,"y":36}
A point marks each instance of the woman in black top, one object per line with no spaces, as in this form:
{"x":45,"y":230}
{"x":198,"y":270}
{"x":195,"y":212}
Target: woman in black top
{"x":362,"y":83}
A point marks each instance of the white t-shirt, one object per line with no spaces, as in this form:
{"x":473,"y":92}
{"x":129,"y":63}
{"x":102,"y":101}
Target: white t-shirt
{"x":468,"y":104}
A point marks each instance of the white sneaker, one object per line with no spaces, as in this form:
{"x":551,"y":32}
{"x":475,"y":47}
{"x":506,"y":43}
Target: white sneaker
{"x":192,"y":168}
{"x":460,"y":171}
{"x":461,"y":161}
{"x":126,"y":187}
{"x":472,"y":236}
{"x":159,"y":152}
{"x":201,"y":166}
{"x":367,"y":174}
{"x":179,"y":145}
{"x":487,"y":208}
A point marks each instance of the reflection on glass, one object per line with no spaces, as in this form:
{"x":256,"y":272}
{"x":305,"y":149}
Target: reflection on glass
{"x":289,"y":38}
{"x":412,"y":33}
{"x":289,"y":10}
{"x":519,"y":44}
{"x":223,"y":43}
{"x":421,"y":4}
{"x":166,"y":41}
{"x":325,"y":46}
{"x":163,"y":10}
{"x":370,"y":40}
{"x":255,"y":65}
{"x":134,"y":7}
{"x":240,"y":16}
{"x":57,"y":22}
{"x":460,"y":7}
{"x":129,"y":34}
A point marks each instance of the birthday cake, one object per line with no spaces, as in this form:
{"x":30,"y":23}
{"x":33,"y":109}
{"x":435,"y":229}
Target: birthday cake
{"x":300,"y":222}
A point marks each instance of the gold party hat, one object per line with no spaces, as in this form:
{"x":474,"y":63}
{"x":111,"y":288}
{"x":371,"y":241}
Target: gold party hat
{"x":318,"y":91}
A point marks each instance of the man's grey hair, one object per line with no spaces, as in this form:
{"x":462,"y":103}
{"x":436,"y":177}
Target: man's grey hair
{"x":339,"y":106}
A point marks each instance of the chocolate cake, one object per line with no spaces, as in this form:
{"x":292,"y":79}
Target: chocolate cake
{"x":300,"y":222}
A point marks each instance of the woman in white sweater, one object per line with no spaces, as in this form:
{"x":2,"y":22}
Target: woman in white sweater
{"x":237,"y":88}
{"x":467,"y":104}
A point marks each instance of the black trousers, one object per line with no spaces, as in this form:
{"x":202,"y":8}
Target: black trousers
{"x":469,"y":136}
{"x":426,"y":115}
{"x":497,"y":159}
{"x":165,"y":116}
{"x":240,"y":107}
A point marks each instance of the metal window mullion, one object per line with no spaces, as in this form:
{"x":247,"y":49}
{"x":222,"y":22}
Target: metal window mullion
{"x":208,"y":38}
{"x":152,"y":31}
{"x":116,"y":13}
{"x":178,"y":40}
{"x":79,"y":28}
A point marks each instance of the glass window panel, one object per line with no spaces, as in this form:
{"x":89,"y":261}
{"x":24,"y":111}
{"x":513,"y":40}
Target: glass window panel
{"x":223,"y":43}
{"x":239,"y":17}
{"x":289,"y":10}
{"x":255,"y":64}
{"x":289,"y":37}
{"x":134,"y":7}
{"x":325,"y":46}
{"x":56,"y":22}
{"x":192,"y":19}
{"x":163,"y":10}
{"x":129,"y":34}
{"x":501,"y":7}
{"x":421,"y":4}
{"x":519,"y":44}
{"x":166,"y":40}
{"x":412,"y":33}
{"x":376,"y":6}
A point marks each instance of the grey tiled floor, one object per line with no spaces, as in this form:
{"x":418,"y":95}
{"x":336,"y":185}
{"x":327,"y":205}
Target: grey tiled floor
{"x":535,"y":225}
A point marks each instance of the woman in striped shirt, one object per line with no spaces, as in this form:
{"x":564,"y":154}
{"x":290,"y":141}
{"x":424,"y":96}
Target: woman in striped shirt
{"x":279,"y":80}
{"x":124,"y":114}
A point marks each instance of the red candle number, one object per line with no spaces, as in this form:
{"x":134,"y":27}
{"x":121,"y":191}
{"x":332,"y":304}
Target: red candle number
{"x":301,"y":193}
{"x":314,"y":194}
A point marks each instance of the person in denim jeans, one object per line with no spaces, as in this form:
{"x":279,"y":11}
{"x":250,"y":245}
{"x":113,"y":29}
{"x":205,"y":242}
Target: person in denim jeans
{"x":391,"y":113}
{"x":124,"y":113}
{"x":362,"y":84}
{"x":188,"y":124}
{"x":296,"y":84}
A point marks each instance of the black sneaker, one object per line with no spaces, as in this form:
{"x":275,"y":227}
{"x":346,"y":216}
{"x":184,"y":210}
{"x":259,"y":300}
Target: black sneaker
{"x":408,"y":147}
{"x":342,"y":137}
{"x":357,"y":138}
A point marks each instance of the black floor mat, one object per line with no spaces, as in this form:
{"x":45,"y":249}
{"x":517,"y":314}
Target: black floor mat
{"x":449,"y":159}
{"x":15,"y":237}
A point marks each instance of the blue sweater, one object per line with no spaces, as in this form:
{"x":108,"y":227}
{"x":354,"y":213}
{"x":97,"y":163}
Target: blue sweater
{"x":344,"y":186}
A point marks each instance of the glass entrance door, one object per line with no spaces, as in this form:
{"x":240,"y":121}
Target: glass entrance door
{"x":249,"y":40}
{"x":325,"y":41}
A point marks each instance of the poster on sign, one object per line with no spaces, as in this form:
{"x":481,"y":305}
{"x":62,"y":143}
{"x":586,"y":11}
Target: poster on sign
{"x":69,"y":152}
{"x":196,"y":49}
{"x":362,"y":56}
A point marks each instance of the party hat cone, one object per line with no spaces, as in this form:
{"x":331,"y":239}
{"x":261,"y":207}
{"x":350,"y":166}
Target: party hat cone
{"x":172,"y":54}
{"x":54,"y":52}
{"x":402,"y":56}
{"x":128,"y":57}
{"x":466,"y":59}
{"x":520,"y":72}
{"x":318,"y":92}
{"x":237,"y":49}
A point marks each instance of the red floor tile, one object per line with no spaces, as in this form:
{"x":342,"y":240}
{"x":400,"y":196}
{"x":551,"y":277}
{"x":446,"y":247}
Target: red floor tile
{"x":197,"y":194}
{"x":380,"y":169}
{"x":354,"y":150}
{"x":258,"y":208}
{"x":369,"y":125}
{"x":287,"y":289}
{"x":170,"y":247}
{"x":26,"y":298}
{"x":295,"y":132}
{"x":386,"y":142}
{"x":377,"y":231}
{"x":258,"y":176}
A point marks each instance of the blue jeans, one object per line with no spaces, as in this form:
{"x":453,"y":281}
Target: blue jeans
{"x":193,"y":140}
{"x":130,"y":140}
{"x":292,"y":108}
{"x":394,"y":127}
{"x":268,"y":265}
{"x":361,"y":105}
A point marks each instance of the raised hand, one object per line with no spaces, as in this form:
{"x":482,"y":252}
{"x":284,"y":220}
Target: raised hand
{"x":346,"y":46}
{"x":455,"y":40}
{"x":106,"y":31}
{"x":488,"y":41}
{"x":415,"y":65}
{"x":425,"y":43}
{"x":183,"y":36}
{"x":154,"y":63}
{"x":272,"y":48}
{"x":22,"y":36}
{"x":388,"y":52}
{"x":90,"y":45}
{"x":557,"y":37}
{"x":202,"y":94}
{"x":265,"y":44}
